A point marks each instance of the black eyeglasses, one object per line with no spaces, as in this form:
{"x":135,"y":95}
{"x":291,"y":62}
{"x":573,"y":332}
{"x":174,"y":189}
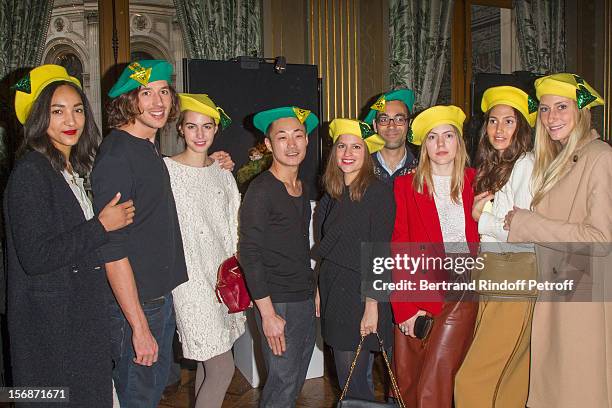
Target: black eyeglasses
{"x":399,"y":120}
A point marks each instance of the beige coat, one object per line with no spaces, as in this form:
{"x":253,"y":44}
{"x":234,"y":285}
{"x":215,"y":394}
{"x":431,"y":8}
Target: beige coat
{"x":572,"y":341}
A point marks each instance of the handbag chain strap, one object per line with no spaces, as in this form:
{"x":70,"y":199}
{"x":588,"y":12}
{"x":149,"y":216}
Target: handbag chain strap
{"x":398,"y":396}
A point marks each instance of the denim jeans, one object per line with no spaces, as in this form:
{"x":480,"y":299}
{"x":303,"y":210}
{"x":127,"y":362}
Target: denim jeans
{"x":140,"y":386}
{"x":287,"y":372}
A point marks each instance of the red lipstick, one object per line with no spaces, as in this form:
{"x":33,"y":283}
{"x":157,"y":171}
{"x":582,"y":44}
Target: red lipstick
{"x":70,"y":132}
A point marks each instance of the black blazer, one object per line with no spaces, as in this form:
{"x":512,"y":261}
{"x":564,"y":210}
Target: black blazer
{"x":57,"y":288}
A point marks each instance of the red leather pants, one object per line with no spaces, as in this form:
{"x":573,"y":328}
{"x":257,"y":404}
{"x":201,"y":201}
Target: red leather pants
{"x":425,"y":370}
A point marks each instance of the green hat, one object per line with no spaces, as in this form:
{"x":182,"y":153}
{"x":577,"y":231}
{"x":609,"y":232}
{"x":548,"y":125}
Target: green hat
{"x":263,"y":120}
{"x":405,"y":95}
{"x":141,"y":73}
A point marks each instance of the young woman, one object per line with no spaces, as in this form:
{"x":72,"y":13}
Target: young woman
{"x":356,"y":208}
{"x":572,"y":184}
{"x":495,"y":372}
{"x":434,"y":205}
{"x":207,"y":202}
{"x":57,"y":289}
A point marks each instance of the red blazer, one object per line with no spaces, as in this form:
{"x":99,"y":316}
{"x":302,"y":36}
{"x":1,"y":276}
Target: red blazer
{"x":416,"y":220}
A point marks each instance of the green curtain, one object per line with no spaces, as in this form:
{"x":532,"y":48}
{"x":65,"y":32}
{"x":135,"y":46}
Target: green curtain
{"x":541,"y":34}
{"x":221,"y":29}
{"x":419,"y":33}
{"x":23,"y":31}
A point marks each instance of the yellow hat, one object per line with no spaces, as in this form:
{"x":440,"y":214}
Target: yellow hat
{"x":511,"y":96}
{"x":201,"y":103}
{"x":29,"y":88}
{"x":570,"y":86}
{"x":357,"y":128}
{"x":432,"y":117}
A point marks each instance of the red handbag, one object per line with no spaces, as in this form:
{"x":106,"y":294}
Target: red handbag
{"x":231,"y":288}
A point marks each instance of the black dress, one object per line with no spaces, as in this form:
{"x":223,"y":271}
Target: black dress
{"x":57,"y":289}
{"x":340,"y":227}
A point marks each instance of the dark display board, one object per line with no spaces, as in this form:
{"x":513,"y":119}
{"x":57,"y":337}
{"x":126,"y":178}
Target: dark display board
{"x":520,"y":79}
{"x":242,"y":92}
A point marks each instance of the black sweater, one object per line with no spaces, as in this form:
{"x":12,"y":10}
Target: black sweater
{"x":153,"y":243}
{"x":274,"y":242}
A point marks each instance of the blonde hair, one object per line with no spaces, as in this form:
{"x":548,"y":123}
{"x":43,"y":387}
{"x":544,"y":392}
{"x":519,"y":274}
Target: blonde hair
{"x":552,"y":158}
{"x":423,"y":174}
{"x":333,"y":178}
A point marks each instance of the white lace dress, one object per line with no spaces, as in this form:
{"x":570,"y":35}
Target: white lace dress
{"x":207,"y":202}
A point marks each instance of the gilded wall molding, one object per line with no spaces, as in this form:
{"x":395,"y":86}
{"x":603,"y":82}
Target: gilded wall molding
{"x":334,"y":47}
{"x":348,"y":40}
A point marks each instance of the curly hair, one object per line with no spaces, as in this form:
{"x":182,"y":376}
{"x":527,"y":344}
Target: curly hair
{"x":124,"y":109}
{"x":495,"y":168}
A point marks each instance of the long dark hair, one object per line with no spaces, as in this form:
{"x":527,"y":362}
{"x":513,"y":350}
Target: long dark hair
{"x":36,"y":138}
{"x":494,"y":169}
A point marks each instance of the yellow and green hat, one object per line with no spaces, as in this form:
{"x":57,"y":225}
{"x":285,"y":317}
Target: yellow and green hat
{"x":432,"y":117}
{"x":263,"y":120}
{"x":201,"y":103}
{"x":405,"y":95}
{"x":29,"y":87}
{"x":569,"y":86}
{"x":358,"y":128}
{"x":511,"y":96}
{"x":141,"y":73}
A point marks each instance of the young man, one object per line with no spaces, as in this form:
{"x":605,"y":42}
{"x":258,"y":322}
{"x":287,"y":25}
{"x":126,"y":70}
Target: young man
{"x":389,"y":117}
{"x":274,"y":252}
{"x":145,"y":261}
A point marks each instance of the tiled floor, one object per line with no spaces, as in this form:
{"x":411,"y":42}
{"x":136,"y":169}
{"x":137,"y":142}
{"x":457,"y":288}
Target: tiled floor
{"x":317,"y":392}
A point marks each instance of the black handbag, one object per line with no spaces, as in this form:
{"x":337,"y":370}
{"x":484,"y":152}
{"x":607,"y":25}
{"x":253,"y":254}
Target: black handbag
{"x":355,"y":403}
